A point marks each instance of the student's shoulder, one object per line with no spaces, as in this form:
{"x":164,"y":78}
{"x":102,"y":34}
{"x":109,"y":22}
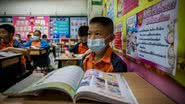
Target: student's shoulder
{"x":118,"y":64}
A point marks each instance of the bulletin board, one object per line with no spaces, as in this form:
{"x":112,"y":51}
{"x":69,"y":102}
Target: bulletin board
{"x":152,"y":36}
{"x":22,"y":25}
{"x":6,"y":20}
{"x":168,"y":21}
{"x":75,"y":23}
{"x":26,"y":24}
{"x":59,"y":27}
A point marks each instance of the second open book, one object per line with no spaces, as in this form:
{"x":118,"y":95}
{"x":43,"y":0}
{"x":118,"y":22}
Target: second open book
{"x":92,"y":85}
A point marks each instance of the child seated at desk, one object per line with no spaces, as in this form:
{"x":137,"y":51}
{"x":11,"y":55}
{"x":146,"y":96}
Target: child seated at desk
{"x":6,"y":40}
{"x":100,"y":34}
{"x":18,"y":43}
{"x":14,"y":73}
{"x":37,"y":42}
{"x":81,"y":47}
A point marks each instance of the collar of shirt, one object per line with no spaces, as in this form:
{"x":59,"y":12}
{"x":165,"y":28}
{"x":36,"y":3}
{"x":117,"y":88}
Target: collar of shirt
{"x":106,"y":58}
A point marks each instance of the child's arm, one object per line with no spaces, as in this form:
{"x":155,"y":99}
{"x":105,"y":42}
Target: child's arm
{"x":69,"y":54}
{"x":28,"y":44}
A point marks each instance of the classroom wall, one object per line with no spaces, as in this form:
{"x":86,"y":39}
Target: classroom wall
{"x":44,"y":7}
{"x":172,"y":86}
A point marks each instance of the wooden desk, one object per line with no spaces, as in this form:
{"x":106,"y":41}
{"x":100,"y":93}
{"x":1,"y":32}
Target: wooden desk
{"x":63,"y":58}
{"x":39,"y":51}
{"x":10,"y":69}
{"x":9,"y":59}
{"x":143,"y":91}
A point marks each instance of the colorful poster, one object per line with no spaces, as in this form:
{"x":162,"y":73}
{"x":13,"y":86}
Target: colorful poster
{"x":119,"y":8}
{"x":75,"y":23}
{"x":118,"y":36}
{"x":131,"y":26}
{"x":128,"y":5}
{"x":156,"y":35}
{"x":41,"y":23}
{"x":59,"y":27}
{"x":22,"y":26}
{"x":110,"y":9}
{"x":26,"y":24}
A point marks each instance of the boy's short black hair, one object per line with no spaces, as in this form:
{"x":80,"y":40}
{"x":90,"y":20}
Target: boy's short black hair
{"x":9,"y":28}
{"x":29,"y":35}
{"x":83,"y":31}
{"x":44,"y":36}
{"x":104,"y":21}
{"x":38,"y":31}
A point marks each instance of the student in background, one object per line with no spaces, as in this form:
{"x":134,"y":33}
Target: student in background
{"x":36,"y":41}
{"x":6,"y":36}
{"x":29,"y":36}
{"x":100,"y":34}
{"x":6,"y":44}
{"x":81,"y":47}
{"x":18,"y":43}
{"x":6,"y":39}
{"x":44,"y":36}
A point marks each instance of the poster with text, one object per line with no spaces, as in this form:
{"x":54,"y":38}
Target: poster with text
{"x":110,"y":9}
{"x":156,"y":35}
{"x":59,"y":27}
{"x":131,"y":44}
{"x":118,"y":36}
{"x":41,"y":23}
{"x":128,"y":5}
{"x":119,"y":8}
{"x":75,"y":23}
{"x":23,"y":25}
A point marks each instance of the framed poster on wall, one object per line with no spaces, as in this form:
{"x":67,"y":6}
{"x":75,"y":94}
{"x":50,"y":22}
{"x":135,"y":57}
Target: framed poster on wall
{"x":152,"y":35}
{"x":59,"y":27}
{"x":75,"y":23}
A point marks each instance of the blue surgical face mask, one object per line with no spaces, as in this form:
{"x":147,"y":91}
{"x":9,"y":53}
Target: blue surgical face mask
{"x":34,"y":38}
{"x":96,"y":45}
{"x":16,"y":38}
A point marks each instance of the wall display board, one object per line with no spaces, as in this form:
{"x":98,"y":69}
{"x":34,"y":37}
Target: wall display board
{"x":59,"y":27}
{"x":128,"y":5}
{"x":41,"y":23}
{"x":152,"y":35}
{"x":118,"y":36}
{"x":110,"y":9}
{"x":75,"y":23}
{"x":26,"y":24}
{"x":6,"y":20}
{"x":23,"y":25}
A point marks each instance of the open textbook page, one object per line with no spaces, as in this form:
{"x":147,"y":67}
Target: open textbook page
{"x":66,"y":79}
{"x":105,"y":87}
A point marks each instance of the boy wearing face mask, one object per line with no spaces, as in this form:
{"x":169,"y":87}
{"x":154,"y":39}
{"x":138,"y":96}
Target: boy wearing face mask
{"x":6,"y":34}
{"x":100,"y":34}
{"x":36,"y":41}
{"x":18,"y":43}
{"x":6,"y":44}
{"x":81,"y":47}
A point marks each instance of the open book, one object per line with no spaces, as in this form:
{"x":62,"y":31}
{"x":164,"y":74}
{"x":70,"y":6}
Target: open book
{"x":92,"y":85}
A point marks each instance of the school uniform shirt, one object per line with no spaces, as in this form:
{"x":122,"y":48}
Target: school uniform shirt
{"x":110,"y":62}
{"x":10,"y":44}
{"x":18,"y":44}
{"x":79,"y":48}
{"x":42,"y":44}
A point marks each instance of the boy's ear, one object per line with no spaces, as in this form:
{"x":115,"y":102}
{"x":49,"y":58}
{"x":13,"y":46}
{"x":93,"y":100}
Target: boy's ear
{"x":110,"y":38}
